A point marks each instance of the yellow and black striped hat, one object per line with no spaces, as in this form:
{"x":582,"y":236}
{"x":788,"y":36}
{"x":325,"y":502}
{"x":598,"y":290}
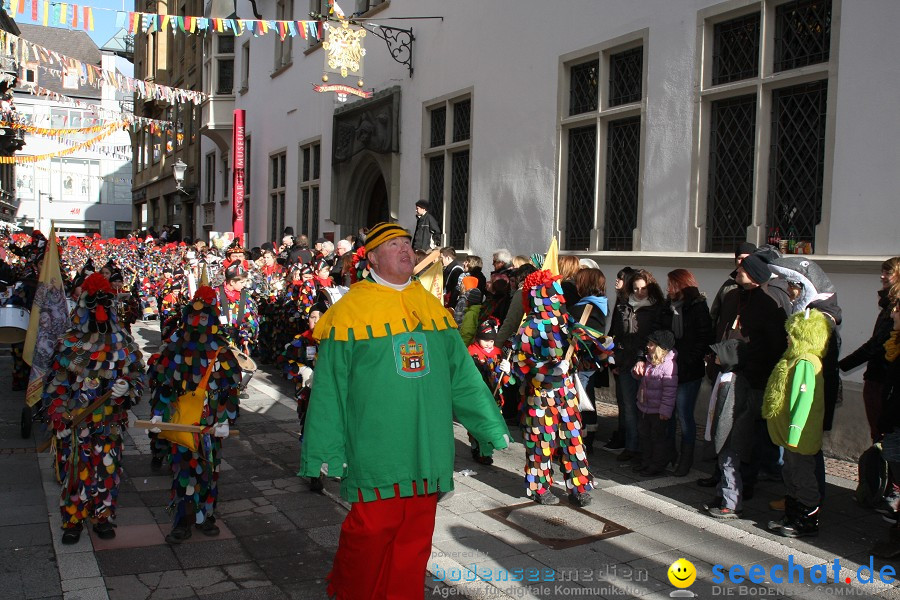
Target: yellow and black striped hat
{"x":383,"y":232}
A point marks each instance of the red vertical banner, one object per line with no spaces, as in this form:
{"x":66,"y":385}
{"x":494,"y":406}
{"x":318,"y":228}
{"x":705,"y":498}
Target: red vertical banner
{"x":237,"y":148}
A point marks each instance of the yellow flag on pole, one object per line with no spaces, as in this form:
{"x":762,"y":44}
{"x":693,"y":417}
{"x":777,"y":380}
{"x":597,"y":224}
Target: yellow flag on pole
{"x":49,"y":321}
{"x":551,"y":260}
{"x":432,"y":279}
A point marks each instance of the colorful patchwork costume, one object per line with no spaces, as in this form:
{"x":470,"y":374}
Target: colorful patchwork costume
{"x":92,"y":358}
{"x":551,"y":422}
{"x":183,"y":366}
{"x":391,"y":374}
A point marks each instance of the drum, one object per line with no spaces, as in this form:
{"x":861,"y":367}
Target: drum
{"x":13,"y":324}
{"x":149,"y":309}
{"x":333,"y":294}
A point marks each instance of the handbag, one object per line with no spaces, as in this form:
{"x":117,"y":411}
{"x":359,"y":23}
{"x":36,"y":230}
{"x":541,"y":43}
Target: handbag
{"x":188,"y":410}
{"x":584,"y":401}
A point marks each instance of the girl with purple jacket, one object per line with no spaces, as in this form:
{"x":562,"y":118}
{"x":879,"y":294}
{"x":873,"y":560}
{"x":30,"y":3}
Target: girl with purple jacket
{"x":656,"y":401}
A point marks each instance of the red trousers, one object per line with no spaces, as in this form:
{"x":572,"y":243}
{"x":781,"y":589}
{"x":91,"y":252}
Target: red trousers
{"x":383,"y":550}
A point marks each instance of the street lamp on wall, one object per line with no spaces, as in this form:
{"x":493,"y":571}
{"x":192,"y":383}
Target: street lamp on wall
{"x":178,"y":171}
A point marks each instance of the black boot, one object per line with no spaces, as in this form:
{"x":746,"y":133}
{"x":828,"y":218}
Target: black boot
{"x":180,"y":532}
{"x":790,"y":516}
{"x":685,"y":460}
{"x":806,"y":522}
{"x":71,"y":535}
{"x":588,"y":442}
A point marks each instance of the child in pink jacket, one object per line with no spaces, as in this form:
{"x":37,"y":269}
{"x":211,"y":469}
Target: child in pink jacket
{"x":656,"y":401}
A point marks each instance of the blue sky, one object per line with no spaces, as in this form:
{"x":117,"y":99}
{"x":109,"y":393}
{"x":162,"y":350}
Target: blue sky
{"x":104,"y":20}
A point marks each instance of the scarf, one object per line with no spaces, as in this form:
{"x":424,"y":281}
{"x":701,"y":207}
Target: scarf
{"x":892,"y":346}
{"x":636,"y":304}
{"x":677,"y":319}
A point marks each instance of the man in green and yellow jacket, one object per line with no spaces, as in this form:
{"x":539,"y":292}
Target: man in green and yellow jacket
{"x":390,"y":377}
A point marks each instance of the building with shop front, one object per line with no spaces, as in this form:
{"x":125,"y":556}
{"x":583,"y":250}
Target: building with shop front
{"x":654,"y":134}
{"x":11,"y":140}
{"x":88,"y":191}
{"x":175,"y":61}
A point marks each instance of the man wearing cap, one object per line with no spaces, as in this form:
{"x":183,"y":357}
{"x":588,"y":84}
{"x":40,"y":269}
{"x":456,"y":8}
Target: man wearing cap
{"x":391,"y":373}
{"x":428,"y":231}
{"x":750,"y":313}
{"x":741,"y":251}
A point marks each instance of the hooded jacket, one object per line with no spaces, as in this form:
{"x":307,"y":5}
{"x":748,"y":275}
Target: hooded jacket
{"x":659,"y":386}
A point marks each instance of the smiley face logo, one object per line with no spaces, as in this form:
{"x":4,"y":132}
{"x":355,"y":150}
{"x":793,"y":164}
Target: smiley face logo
{"x":682,"y":573}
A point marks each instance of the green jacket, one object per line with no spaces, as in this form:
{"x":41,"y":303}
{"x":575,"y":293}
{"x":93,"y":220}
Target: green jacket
{"x":798,"y":425}
{"x":469,"y":326}
{"x":391,"y":374}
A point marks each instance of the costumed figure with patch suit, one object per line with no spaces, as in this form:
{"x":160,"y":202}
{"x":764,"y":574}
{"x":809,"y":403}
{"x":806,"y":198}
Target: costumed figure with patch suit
{"x":196,"y":380}
{"x":391,"y":375}
{"x":94,"y":357}
{"x":551,"y":421}
{"x":794,"y":409}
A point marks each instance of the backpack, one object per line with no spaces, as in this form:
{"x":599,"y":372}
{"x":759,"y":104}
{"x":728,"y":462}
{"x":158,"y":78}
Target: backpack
{"x":874,"y":477}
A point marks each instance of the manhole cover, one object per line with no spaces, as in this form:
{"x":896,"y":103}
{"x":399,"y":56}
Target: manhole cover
{"x":558,"y":527}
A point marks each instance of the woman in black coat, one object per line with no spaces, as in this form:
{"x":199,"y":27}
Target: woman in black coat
{"x":687,"y":316}
{"x":633,"y":320}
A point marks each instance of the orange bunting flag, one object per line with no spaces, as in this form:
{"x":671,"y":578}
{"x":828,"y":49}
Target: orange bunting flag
{"x":22,"y":7}
{"x":88,"y":19}
{"x":34,"y":10}
{"x":74,"y":16}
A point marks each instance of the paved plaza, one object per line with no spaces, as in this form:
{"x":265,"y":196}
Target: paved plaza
{"x":278,"y":538}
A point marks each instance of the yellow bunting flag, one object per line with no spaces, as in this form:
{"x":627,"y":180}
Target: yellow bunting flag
{"x":46,"y":13}
{"x":63,"y":11}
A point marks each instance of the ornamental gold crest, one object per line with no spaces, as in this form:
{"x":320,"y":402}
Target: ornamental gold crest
{"x":344,"y":49}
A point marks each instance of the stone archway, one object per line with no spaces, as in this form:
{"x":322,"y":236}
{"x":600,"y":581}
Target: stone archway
{"x":379,"y":208}
{"x":365,"y":162}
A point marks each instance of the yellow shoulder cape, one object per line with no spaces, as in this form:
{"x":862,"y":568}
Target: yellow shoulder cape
{"x":371,"y":310}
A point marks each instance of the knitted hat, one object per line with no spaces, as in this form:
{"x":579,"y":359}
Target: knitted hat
{"x":744,"y":248}
{"x":663,"y":338}
{"x":474,"y":296}
{"x":383,"y":232}
{"x":756,"y":268}
{"x":469,"y":283}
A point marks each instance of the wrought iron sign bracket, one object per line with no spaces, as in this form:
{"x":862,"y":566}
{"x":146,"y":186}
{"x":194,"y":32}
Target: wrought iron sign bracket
{"x":399,"y":42}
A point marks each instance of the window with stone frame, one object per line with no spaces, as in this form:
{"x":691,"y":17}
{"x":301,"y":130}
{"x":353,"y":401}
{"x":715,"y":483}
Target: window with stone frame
{"x":310,"y":178}
{"x":446,"y":163}
{"x":284,"y":11}
{"x":763,"y":193}
{"x":601,"y":124}
{"x":277,"y":193}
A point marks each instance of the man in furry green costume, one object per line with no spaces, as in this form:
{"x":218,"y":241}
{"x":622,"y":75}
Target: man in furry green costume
{"x":794,"y":408}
